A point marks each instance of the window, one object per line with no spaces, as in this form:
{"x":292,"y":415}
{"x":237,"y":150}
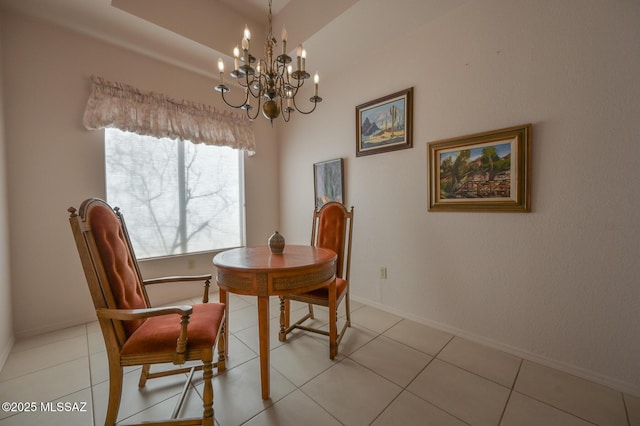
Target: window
{"x":177,"y":197}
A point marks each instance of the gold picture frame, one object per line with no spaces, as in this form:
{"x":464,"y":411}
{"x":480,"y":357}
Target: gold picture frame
{"x":489,"y":171}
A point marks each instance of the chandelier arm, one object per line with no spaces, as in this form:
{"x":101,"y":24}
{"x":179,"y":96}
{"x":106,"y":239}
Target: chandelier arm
{"x":280,"y":85}
{"x":246,"y":98}
{"x":293,"y":90}
{"x":249,"y":114}
{"x":296,"y":89}
{"x":286,"y":111}
{"x":263,"y":84}
{"x":285,"y":77}
{"x":246,"y":83}
{"x":261,"y":79}
{"x":250,"y":88}
{"x":243,"y":82}
{"x":281,"y":70}
{"x":258,"y":109}
{"x":315,"y":99}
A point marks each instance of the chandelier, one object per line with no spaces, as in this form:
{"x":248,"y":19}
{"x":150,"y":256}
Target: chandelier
{"x":273,"y":84}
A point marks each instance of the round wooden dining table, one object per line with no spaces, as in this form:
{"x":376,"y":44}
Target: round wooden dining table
{"x":255,"y":271}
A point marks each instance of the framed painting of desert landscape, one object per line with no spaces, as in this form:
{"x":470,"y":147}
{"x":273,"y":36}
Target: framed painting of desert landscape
{"x":487,"y":171}
{"x":328,"y":182}
{"x":385,"y":124}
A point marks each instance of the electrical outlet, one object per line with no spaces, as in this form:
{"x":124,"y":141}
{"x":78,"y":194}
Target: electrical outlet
{"x":383,"y":272}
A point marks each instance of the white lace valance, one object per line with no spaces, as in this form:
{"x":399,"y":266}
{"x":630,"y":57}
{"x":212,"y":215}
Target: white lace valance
{"x":127,"y":108}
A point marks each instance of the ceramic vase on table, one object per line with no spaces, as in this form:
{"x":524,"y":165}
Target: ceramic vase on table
{"x":276,"y":243}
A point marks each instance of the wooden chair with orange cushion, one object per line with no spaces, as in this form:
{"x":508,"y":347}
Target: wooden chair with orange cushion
{"x":134,"y":332}
{"x":332,"y":228}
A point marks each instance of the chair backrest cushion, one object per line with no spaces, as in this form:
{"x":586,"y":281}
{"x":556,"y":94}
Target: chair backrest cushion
{"x":331,"y":231}
{"x":118,"y":261}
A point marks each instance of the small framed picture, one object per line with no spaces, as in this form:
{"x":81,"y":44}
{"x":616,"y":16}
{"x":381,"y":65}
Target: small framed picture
{"x":385,"y":124}
{"x":489,"y":171}
{"x":328,"y":182}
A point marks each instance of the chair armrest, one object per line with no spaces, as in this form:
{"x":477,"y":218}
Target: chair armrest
{"x":131,"y":314}
{"x":134,"y":314}
{"x":184,"y":278}
{"x":177,"y":278}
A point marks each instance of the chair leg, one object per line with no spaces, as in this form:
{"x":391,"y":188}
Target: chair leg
{"x":205,"y":291}
{"x":144,"y":375}
{"x":333,"y":325}
{"x":348,"y":308}
{"x":284,"y":319}
{"x":207,"y":394}
{"x":221,"y":365}
{"x":287,"y":313}
{"x":115,"y":394}
{"x":311,"y":311}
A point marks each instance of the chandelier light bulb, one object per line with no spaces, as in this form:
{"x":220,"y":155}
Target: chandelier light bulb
{"x":284,"y":40}
{"x":236,"y":55}
{"x":221,"y":69}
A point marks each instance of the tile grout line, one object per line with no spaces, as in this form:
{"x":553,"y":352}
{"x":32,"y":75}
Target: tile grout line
{"x":315,"y":402}
{"x":379,"y":375}
{"x":43,"y":368}
{"x":378,"y":335}
{"x":93,"y":403}
{"x":511,"y":390}
{"x":626,"y":409}
{"x":421,"y":371}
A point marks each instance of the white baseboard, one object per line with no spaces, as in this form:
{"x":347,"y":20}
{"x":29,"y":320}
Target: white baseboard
{"x":613,"y":383}
{"x":54,"y":327}
{"x":6,"y":350}
{"x":156,"y":300}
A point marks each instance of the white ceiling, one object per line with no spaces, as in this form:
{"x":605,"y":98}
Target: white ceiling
{"x":194,"y":33}
{"x":257,"y":10}
{"x":189,"y":33}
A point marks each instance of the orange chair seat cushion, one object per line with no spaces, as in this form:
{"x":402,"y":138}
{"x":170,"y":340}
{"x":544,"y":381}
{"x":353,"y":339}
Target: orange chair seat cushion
{"x":323,"y":292}
{"x":160,"y":334}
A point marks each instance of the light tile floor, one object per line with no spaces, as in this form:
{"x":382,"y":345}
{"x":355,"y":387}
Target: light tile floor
{"x":390,"y":371}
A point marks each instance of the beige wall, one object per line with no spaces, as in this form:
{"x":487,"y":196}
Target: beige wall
{"x":54,"y":163}
{"x":558,"y":285}
{"x":6,"y":322}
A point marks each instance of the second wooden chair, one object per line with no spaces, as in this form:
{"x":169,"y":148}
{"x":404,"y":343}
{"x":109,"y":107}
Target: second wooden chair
{"x":332,"y":228}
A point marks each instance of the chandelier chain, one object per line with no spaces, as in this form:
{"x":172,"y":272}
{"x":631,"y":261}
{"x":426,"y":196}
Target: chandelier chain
{"x":270,"y":22}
